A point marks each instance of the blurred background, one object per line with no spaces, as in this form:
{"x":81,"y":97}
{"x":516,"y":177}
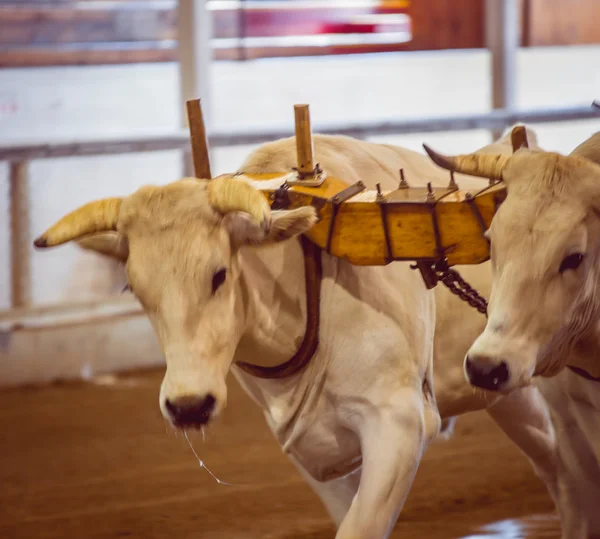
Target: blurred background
{"x":87,"y":87}
{"x":92,"y":100}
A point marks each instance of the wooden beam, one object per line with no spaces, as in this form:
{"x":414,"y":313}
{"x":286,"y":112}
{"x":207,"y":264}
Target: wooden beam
{"x":54,"y":25}
{"x":87,"y":54}
{"x":352,"y":227}
{"x":446,"y":24}
{"x":556,"y":22}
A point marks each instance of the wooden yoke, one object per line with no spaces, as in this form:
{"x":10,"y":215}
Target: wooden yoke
{"x":198,"y":140}
{"x":428,"y":225}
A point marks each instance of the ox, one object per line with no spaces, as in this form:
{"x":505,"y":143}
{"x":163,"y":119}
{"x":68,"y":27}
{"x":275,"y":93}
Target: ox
{"x":220,"y":277}
{"x":544,"y":310}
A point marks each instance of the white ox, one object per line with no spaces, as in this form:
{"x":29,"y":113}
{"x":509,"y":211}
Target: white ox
{"x":219,"y":284}
{"x":544,"y":310}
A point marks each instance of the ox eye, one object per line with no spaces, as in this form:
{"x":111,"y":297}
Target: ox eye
{"x":571,"y":262}
{"x":218,"y":279}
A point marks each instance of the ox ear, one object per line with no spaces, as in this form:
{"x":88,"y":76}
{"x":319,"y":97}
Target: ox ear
{"x":284,"y":225}
{"x":243,"y":229}
{"x":288,"y":224}
{"x":518,"y":138}
{"x":111,"y":244}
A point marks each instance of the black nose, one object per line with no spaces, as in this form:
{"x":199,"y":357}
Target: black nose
{"x":486,"y":375}
{"x":190,"y":411}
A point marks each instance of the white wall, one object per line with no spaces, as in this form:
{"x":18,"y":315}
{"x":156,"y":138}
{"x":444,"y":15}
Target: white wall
{"x":75,"y":103}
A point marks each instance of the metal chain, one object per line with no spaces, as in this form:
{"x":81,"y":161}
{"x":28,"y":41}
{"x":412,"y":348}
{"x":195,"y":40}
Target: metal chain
{"x":458,"y":286}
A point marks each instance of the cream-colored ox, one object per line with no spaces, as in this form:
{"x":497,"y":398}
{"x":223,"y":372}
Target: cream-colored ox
{"x":221,"y":278}
{"x":544,"y":310}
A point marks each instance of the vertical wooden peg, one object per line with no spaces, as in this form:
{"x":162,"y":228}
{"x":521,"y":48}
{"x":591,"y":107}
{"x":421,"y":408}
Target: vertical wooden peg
{"x":309,"y":173}
{"x":198,"y":140}
{"x":403,"y":182}
{"x":304,"y":142}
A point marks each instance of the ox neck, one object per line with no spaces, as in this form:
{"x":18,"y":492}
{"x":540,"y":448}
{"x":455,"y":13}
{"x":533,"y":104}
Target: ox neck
{"x":583,"y":356}
{"x":273,"y":292}
{"x":583,"y":344}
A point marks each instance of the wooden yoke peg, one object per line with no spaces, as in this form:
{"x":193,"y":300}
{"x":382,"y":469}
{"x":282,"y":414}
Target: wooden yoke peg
{"x":198,"y":140}
{"x":309,"y":173}
{"x":518,"y":138}
{"x":304,"y":142}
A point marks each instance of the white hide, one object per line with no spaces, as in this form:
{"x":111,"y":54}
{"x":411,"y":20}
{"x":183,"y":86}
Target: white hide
{"x":344,"y":372}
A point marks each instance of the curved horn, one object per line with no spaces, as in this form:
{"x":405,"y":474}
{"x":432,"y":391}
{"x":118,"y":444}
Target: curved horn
{"x":97,"y":216}
{"x":485,"y":166}
{"x":227,"y":194}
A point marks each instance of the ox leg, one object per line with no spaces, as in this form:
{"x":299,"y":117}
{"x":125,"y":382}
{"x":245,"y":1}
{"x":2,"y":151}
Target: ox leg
{"x":336,"y":495}
{"x":525,"y":418}
{"x":580,"y":481}
{"x":579,"y":462}
{"x":393,"y":437}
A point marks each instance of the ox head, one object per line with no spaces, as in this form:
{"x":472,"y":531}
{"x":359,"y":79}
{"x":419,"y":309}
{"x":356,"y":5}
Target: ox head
{"x":180,"y":243}
{"x":545,"y":257}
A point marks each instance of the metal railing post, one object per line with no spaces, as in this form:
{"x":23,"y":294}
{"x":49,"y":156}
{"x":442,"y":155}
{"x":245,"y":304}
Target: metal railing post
{"x":19,"y":234}
{"x":195,"y":56}
{"x":195,"y":53}
{"x":502,"y":29}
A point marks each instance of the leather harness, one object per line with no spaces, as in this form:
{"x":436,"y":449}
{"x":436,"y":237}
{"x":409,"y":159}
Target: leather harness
{"x":583,"y":373}
{"x":313,"y":273}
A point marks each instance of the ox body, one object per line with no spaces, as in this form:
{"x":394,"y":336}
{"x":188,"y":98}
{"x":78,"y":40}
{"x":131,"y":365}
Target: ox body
{"x":221,"y":279}
{"x":544,"y":309}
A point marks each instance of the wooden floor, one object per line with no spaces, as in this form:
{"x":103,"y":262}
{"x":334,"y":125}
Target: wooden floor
{"x":89,"y":461}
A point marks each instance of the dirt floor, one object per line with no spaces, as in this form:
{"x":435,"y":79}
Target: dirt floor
{"x":97,"y":461}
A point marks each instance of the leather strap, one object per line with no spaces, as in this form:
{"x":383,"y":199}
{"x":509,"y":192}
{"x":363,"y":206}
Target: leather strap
{"x":583,"y":373}
{"x":313,"y":273}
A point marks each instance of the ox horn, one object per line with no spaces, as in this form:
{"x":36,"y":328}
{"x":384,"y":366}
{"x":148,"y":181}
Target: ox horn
{"x":97,"y":216}
{"x":227,"y":195}
{"x":485,"y":166}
